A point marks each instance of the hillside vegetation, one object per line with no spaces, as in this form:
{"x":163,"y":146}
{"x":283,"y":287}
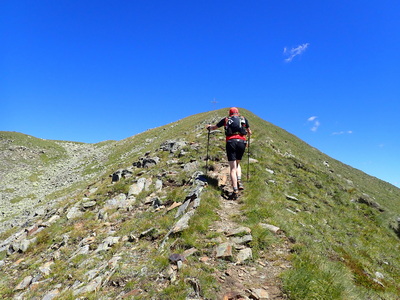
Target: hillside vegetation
{"x":142,"y":218}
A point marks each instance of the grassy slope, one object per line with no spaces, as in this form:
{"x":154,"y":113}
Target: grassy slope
{"x":46,"y":149}
{"x":339,"y":244}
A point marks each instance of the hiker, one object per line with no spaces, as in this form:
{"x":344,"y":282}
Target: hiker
{"x":236,"y":129}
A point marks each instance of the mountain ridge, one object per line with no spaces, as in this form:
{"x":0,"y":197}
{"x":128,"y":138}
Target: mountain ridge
{"x":292,"y":185}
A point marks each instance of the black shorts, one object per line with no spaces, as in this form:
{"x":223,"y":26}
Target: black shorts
{"x":235,"y":149}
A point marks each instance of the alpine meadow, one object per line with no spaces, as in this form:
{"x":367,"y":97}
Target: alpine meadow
{"x":143,"y":218}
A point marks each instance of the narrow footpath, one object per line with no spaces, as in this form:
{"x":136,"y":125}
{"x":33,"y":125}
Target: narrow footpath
{"x":251,"y":279}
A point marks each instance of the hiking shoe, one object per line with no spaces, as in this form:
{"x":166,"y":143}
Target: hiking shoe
{"x":240,"y":185}
{"x":234,"y":195}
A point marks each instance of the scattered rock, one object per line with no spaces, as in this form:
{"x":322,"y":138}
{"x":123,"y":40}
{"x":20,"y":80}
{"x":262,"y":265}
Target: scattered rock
{"x":24,"y":283}
{"x":233,"y":296}
{"x":241,"y":240}
{"x":190,"y":167}
{"x":224,"y":251}
{"x":291,"y":198}
{"x":98,"y":273}
{"x":156,"y":202}
{"x":107,"y":243}
{"x":269,"y":171}
{"x":195,"y":284}
{"x":137,"y":187}
{"x":52,"y":220}
{"x":271,"y":228}
{"x":146,"y":162}
{"x":45,"y":269}
{"x":176,"y":257}
{"x":189,"y":252}
{"x":132,"y":293}
{"x":121,"y":173}
{"x":244,"y":255}
{"x":21,"y":246}
{"x":259,"y":294}
{"x":183,"y":223}
{"x":88,"y":204}
{"x":91,"y":287}
{"x":159,"y":185}
{"x":119,"y":201}
{"x":74,"y":212}
{"x":395,"y":226}
{"x":33,"y":230}
{"x":172,"y":145}
{"x":174,"y":205}
{"x":238,"y":231}
{"x":366,"y":199}
{"x":51,"y":295}
{"x":151,"y":233}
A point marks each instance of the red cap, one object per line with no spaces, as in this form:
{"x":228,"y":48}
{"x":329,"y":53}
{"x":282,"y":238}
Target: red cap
{"x":233,"y":111}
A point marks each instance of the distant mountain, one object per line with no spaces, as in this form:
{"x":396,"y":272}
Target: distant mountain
{"x":142,"y":218}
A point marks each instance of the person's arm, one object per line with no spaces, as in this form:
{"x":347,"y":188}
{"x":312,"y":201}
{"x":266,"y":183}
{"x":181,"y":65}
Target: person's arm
{"x":218,"y":125}
{"x":211,"y":127}
{"x":248,"y":128}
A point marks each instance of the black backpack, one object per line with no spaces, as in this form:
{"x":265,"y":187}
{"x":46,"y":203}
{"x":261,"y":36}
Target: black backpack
{"x":235,"y":125}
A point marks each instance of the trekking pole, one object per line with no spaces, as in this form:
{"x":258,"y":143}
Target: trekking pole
{"x":208,"y":143}
{"x":248,"y":159}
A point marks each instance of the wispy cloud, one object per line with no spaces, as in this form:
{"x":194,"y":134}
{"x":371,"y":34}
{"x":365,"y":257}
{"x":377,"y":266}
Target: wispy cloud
{"x":293,"y":52}
{"x":316,"y":123}
{"x":310,"y":119}
{"x":342,"y":132}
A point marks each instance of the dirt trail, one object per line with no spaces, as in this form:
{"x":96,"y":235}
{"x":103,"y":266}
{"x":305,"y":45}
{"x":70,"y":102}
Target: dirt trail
{"x":259,"y":278}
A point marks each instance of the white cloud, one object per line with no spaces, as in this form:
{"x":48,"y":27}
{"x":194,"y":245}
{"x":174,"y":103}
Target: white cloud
{"x":310,"y":119}
{"x":292,"y":53}
{"x":342,"y":132}
{"x":316,"y":123}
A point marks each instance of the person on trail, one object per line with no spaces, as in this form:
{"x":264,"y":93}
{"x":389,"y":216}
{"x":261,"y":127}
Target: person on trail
{"x":236,"y":129}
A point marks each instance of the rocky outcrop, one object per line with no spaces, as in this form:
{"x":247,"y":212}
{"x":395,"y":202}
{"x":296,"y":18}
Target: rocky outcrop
{"x":173,"y":146}
{"x":366,"y":199}
{"x":187,"y":209}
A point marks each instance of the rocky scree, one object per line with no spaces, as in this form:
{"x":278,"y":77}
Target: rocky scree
{"x":28,"y":179}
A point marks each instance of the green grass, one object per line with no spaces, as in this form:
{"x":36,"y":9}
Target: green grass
{"x":325,"y":221}
{"x":338,"y":243}
{"x":18,"y":199}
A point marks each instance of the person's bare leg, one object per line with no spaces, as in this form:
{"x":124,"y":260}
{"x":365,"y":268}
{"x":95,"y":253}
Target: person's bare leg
{"x":233,"y":173}
{"x":239,"y":175}
{"x":238,"y":170}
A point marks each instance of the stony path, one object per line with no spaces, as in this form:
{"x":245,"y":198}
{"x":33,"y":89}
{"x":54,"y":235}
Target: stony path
{"x":258,"y":279}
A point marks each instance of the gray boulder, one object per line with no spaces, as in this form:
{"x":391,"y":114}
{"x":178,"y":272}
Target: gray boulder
{"x":24,"y":283}
{"x":172,"y":146}
{"x":244,"y":255}
{"x":137,"y":187}
{"x":74,"y":212}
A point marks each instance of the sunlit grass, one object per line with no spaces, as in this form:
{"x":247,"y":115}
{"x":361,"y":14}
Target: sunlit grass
{"x":337,"y":243}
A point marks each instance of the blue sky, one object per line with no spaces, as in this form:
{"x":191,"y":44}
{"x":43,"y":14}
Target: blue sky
{"x":89,"y":71}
